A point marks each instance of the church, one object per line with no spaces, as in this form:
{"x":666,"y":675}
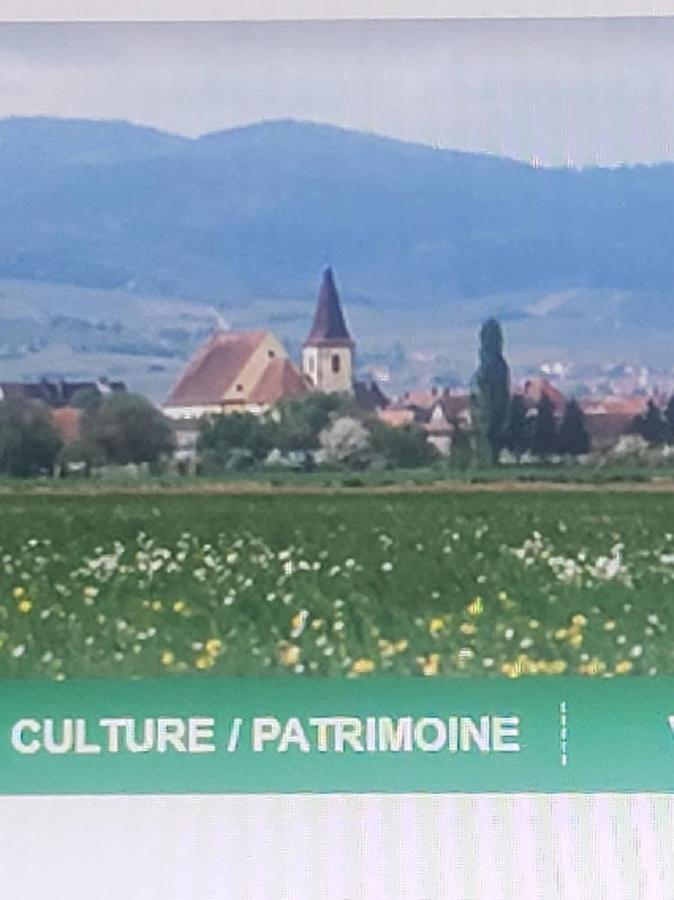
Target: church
{"x":250,"y":371}
{"x":327,"y":356}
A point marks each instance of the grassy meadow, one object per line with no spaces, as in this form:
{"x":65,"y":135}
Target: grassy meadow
{"x":497,"y":584}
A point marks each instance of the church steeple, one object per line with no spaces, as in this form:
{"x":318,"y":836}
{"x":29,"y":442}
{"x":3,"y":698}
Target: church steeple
{"x":329,"y":325}
{"x":327,"y":357}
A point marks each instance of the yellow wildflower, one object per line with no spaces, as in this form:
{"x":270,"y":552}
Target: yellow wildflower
{"x":595,"y":666}
{"x":557,"y":666}
{"x":25,"y":606}
{"x":386,"y":648}
{"x":298,"y":622}
{"x":476,"y":607}
{"x":579,"y":620}
{"x":156,"y":605}
{"x":623,"y":667}
{"x":401,"y":646}
{"x":561,"y":633}
{"x":467,"y":628}
{"x":179,"y":606}
{"x":204,"y":661}
{"x":525,"y":665}
{"x":534,"y":623}
{"x":436,"y":624}
{"x":213,"y":646}
{"x":362,"y":666}
{"x":168,"y":658}
{"x":576,"y":639}
{"x":289,"y":654}
{"x":18,"y":592}
{"x":430,"y":665}
{"x":512,"y":670}
{"x":609,"y":625}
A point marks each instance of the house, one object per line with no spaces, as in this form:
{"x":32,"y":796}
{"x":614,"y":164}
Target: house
{"x":66,"y":420}
{"x":607,"y":419}
{"x":536,"y":388}
{"x":58,"y":397}
{"x":457,"y":408}
{"x":235,"y":371}
{"x":455,"y":405}
{"x":439,"y":430}
{"x":57,"y":394}
{"x":437,"y":411}
{"x":369,"y":396}
{"x":396,"y":417}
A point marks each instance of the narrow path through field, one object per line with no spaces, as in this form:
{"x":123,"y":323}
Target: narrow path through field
{"x":253,"y":488}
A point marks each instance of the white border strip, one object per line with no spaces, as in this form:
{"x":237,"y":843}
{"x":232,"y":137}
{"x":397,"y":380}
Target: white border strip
{"x":289,"y":10}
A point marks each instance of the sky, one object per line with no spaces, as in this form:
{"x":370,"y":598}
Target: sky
{"x":580,"y":92}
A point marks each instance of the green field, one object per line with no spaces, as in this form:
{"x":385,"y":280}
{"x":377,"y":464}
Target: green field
{"x":447,"y":584}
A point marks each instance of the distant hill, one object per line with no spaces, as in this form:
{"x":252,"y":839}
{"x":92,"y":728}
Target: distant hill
{"x":122,"y":246}
{"x":258,"y":210}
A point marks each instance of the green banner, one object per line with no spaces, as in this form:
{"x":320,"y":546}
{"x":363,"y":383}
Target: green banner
{"x":364,"y":736}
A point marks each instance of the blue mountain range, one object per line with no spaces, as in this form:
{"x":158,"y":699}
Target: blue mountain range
{"x":258,"y":210}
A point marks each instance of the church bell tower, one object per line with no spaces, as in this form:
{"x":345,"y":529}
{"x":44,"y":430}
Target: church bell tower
{"x":327,"y":356}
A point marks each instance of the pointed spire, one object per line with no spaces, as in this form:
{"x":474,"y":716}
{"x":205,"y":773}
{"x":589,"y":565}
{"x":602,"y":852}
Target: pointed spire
{"x":329,"y":325}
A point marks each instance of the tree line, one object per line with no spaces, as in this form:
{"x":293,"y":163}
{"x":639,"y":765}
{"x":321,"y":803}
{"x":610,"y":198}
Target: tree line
{"x":656,"y":425}
{"x":317,"y":429}
{"x":115,"y":429}
{"x":124,"y":428}
{"x":505,"y":422}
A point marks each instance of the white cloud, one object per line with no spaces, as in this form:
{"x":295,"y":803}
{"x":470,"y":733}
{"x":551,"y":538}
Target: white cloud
{"x":588,"y":91}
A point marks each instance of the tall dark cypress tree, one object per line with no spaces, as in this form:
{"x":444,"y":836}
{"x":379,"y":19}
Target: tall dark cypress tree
{"x":573,"y":438}
{"x":518,"y":430}
{"x":544,"y":437}
{"x":651,"y":426}
{"x":490,"y":399}
{"x":669,"y":421}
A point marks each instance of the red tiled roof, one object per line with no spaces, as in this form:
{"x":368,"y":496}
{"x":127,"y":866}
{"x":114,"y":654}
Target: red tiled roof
{"x":420,"y":398}
{"x":279,"y":379}
{"x":536,"y":388}
{"x":67,"y":423}
{"x":395,"y":417}
{"x":456,"y":404}
{"x":214,"y":368}
{"x":620,"y":406}
{"x":329,"y":326}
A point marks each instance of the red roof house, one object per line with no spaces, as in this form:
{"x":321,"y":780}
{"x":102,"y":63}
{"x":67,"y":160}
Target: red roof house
{"x":245,"y":371}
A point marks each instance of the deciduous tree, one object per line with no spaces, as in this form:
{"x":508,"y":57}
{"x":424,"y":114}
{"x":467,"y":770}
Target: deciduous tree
{"x":232,"y":441}
{"x":29,"y":441}
{"x":406,"y":447}
{"x":127,"y":428}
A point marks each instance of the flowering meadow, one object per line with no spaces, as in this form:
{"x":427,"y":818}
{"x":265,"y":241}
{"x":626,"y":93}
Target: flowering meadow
{"x":472,"y":584}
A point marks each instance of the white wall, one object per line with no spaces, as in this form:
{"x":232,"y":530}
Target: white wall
{"x":300,"y":847}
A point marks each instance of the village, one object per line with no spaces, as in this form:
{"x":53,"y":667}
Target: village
{"x":251,"y":374}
